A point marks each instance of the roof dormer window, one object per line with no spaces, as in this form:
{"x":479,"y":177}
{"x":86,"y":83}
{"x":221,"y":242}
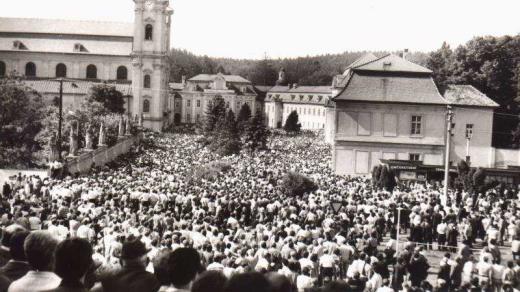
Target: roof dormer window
{"x":79,"y":48}
{"x":18,"y":45}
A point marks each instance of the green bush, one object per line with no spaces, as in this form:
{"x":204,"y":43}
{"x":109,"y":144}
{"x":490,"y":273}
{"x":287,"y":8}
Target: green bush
{"x":295,"y":184}
{"x":210,"y":171}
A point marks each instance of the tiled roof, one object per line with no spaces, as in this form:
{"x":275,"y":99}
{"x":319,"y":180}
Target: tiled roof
{"x":103,"y":47}
{"x":392,"y":63}
{"x":467,"y":95}
{"x":211,"y":77}
{"x":263,"y":88}
{"x":302,"y":89}
{"x":366,"y":58}
{"x":61,"y":26}
{"x":83,"y":86}
{"x":368,"y":86}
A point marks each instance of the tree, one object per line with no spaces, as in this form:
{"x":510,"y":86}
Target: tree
{"x":244,"y":115}
{"x":256,"y":132}
{"x":440,"y":63}
{"x":387,"y":179}
{"x":376,"y":173}
{"x":295,"y":184}
{"x":292,"y":124}
{"x":227,"y":141}
{"x":109,"y":97}
{"x":215,"y":112}
{"x":20,"y":121}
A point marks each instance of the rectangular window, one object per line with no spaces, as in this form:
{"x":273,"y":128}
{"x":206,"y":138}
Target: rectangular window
{"x":389,"y":125}
{"x":414,"y":157}
{"x":416,"y":125}
{"x":188,"y":118}
{"x":197,"y":118}
{"x":364,"y":124}
{"x":188,"y":102}
{"x":469,"y":131}
{"x":198,"y":102}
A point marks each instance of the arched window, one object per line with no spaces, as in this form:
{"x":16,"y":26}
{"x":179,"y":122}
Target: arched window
{"x":91,"y":72}
{"x":122,"y":73}
{"x":2,"y":68}
{"x":148,"y":32}
{"x":61,"y":70}
{"x":146,"y":106}
{"x":147,"y":81}
{"x":30,"y":69}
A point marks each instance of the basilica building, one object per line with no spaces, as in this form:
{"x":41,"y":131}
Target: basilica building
{"x":133,"y":56}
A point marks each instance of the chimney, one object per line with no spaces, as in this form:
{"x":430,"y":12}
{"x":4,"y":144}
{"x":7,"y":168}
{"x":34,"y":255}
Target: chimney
{"x":289,"y":86}
{"x":405,"y":53}
{"x":183,"y":79}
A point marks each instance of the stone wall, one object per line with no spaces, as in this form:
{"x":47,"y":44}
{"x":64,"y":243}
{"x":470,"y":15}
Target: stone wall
{"x":101,"y":156}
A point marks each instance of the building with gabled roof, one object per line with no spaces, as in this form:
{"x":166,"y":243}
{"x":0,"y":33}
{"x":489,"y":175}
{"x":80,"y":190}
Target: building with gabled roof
{"x":387,"y":108}
{"x":197,"y":93}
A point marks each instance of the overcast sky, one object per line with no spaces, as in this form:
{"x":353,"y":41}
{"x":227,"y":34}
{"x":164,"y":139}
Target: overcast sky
{"x":290,"y":28}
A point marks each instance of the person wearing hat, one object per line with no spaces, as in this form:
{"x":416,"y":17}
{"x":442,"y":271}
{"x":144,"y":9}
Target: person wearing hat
{"x":133,"y":275}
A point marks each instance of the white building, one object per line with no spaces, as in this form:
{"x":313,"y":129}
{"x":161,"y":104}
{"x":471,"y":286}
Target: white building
{"x":308,"y":101}
{"x":473,"y":125}
{"x":193,"y":99}
{"x":93,"y":51}
{"x":389,"y":109}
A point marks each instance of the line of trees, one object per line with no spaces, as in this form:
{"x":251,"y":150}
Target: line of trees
{"x":310,"y":70}
{"x":227,"y":135}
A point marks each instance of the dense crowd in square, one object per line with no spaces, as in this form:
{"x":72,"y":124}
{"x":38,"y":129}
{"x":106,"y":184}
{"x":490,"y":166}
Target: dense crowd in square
{"x":148,"y":223}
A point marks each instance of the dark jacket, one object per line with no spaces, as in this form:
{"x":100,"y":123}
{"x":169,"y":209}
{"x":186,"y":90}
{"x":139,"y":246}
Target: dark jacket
{"x":14,"y":270}
{"x":131,"y":278}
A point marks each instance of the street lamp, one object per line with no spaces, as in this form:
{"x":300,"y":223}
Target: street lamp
{"x":469,"y":134}
{"x":60,"y":118}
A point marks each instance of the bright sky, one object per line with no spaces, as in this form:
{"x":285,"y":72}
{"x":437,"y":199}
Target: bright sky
{"x":290,"y":28}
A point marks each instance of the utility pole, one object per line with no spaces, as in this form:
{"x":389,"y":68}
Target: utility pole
{"x":60,"y":118}
{"x":447,"y":155}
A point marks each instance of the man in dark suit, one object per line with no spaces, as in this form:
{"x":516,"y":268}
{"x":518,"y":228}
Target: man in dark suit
{"x":18,"y":266}
{"x":133,"y":275}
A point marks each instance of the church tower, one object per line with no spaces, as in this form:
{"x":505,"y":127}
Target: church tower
{"x":150,"y":72}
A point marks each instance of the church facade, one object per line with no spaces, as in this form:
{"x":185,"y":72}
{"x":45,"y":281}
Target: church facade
{"x":133,"y":56}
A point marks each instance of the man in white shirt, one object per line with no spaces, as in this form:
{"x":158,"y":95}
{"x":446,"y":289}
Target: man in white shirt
{"x":304,"y":281}
{"x":39,"y":248}
{"x":442,"y":228}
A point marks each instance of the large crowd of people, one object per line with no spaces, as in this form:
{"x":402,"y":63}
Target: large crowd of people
{"x":151,"y":221}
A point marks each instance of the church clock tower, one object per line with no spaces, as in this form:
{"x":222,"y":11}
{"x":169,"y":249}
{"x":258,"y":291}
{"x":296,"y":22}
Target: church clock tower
{"x":150,"y":72}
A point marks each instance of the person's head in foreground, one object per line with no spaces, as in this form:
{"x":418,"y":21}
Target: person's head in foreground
{"x":134,"y":253}
{"x":184,"y":265}
{"x":248,"y":282}
{"x":17,"y":246}
{"x":209,"y":281}
{"x":73,"y":259}
{"x":39,"y":247}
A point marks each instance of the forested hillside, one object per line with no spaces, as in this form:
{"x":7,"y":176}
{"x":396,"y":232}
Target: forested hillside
{"x":310,"y":70}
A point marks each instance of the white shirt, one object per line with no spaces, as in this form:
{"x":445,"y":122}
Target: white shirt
{"x":35,"y":281}
{"x":303,"y":282}
{"x":327,"y":261}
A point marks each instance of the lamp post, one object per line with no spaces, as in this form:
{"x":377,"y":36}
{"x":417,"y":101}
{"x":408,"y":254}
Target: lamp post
{"x":468,"y":139}
{"x":60,"y":117}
